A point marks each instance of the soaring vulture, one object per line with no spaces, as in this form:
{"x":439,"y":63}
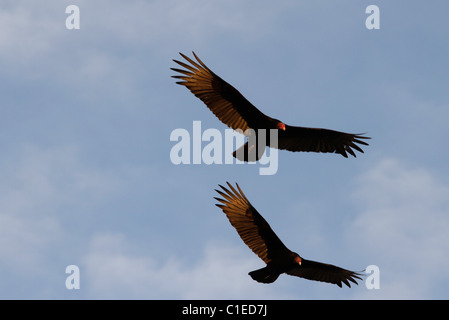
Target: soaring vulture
{"x":257,"y":234}
{"x":234,"y":110}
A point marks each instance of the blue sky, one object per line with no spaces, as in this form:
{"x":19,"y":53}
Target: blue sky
{"x":86,"y":118}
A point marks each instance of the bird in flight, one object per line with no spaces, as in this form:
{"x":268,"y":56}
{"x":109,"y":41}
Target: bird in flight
{"x":257,"y":234}
{"x":234,"y":110}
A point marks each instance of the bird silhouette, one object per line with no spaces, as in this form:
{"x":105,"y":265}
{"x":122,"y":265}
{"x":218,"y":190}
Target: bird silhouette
{"x":234,"y":110}
{"x":257,"y":234}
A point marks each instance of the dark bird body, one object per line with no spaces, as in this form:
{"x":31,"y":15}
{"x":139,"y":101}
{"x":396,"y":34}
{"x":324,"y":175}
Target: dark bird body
{"x":234,"y":110}
{"x":257,"y":234}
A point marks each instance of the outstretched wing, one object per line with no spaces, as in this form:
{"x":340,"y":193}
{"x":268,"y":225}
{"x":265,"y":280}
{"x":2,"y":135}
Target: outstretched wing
{"x":320,"y":140}
{"x":229,"y":105}
{"x":250,"y":225}
{"x":318,"y":271}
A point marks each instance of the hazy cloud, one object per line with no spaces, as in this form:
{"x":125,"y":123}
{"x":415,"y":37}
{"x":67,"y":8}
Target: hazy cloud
{"x":114,"y":270}
{"x":403,"y":227}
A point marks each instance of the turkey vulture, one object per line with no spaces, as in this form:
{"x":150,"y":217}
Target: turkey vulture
{"x":261,"y":239}
{"x":234,"y":110}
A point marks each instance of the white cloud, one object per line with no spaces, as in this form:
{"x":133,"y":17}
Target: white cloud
{"x":25,"y":242}
{"x":403,"y":228}
{"x":113,"y":270}
{"x":38,"y":192}
{"x":32,"y":29}
{"x":119,"y":46}
{"x":28,"y":31}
